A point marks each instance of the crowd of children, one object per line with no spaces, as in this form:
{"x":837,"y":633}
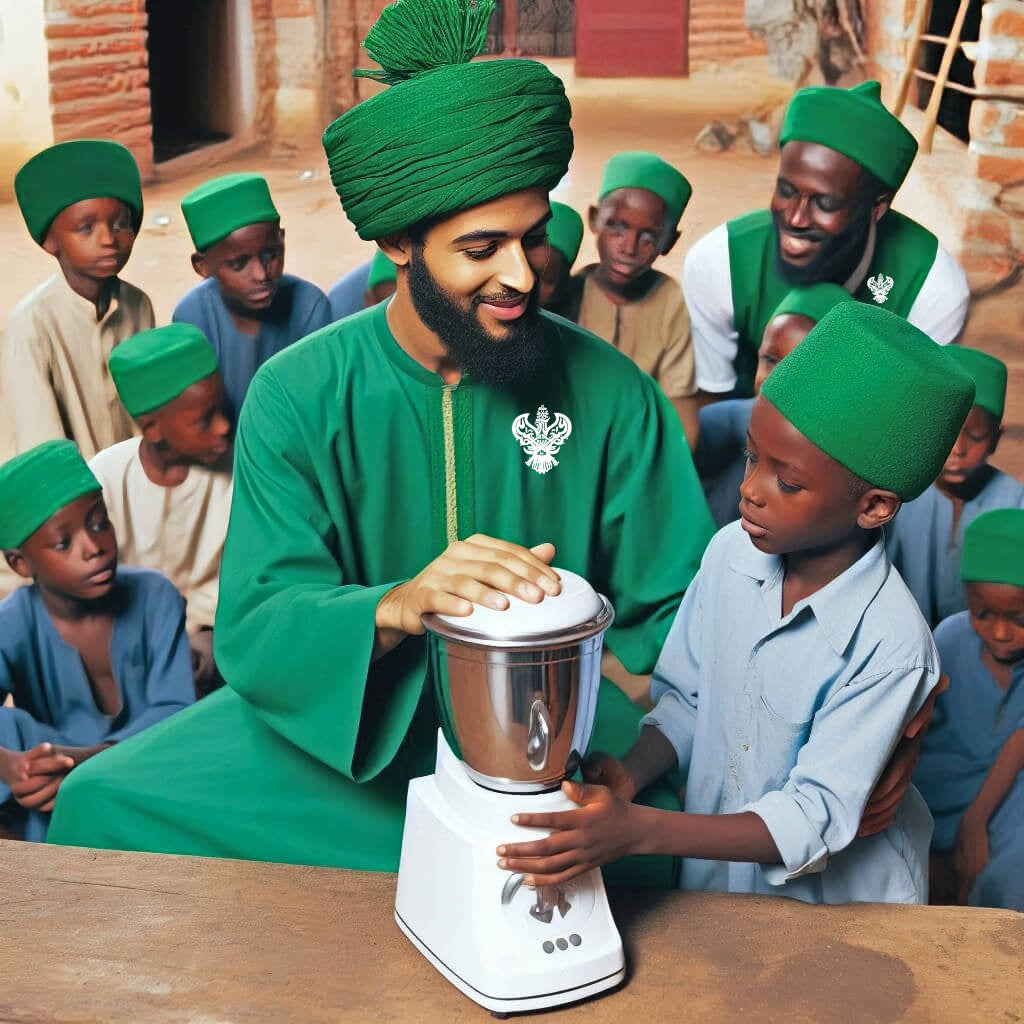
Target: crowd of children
{"x":797,"y":657}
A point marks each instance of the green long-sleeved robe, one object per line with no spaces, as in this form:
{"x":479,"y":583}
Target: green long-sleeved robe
{"x":354,"y":468}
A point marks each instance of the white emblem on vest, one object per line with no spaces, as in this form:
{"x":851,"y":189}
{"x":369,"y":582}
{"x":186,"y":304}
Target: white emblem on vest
{"x":879,"y":287}
{"x":541,"y":440}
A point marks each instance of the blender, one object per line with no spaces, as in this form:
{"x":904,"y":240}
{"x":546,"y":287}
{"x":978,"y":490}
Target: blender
{"x":516,"y":693}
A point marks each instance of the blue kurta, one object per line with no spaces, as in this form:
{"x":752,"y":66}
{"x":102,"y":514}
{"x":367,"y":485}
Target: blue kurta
{"x":926,"y":549}
{"x":795,"y":717}
{"x":348,"y":295}
{"x":719,"y":457}
{"x":54,"y":702}
{"x":973,"y":720}
{"x":299,"y":308}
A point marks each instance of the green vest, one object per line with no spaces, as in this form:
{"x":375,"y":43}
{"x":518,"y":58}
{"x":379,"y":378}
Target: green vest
{"x":904,"y":253}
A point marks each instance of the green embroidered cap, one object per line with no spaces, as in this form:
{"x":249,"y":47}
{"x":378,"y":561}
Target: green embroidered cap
{"x":381,"y":270}
{"x":813,"y":301}
{"x":989,"y":376}
{"x":225,"y":204}
{"x":565,"y":231}
{"x":639,"y":169}
{"x":994,"y":548}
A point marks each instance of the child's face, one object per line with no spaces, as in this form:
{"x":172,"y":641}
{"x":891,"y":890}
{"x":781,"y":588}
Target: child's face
{"x":997,"y":615}
{"x":794,"y":497}
{"x":781,"y":336}
{"x":247,"y":265}
{"x":551,"y":274}
{"x":92,"y":238}
{"x":194,"y":424}
{"x":379,"y":293}
{"x":976,"y":441}
{"x":631,"y":233}
{"x":73,"y":554}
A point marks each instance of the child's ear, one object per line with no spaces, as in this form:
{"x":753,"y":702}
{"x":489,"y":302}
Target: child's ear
{"x":397,"y":248}
{"x":876,"y":508}
{"x":671,"y":243}
{"x":50,"y":243}
{"x":18,"y":563}
{"x":592,"y":213}
{"x":199,"y":265}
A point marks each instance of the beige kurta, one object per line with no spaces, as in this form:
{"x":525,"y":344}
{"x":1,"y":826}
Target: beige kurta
{"x":654,"y":332}
{"x":53,"y":366}
{"x":179,"y":530}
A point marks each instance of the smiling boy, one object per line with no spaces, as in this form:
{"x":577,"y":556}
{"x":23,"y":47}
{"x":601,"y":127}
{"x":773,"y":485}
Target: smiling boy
{"x":247,"y":307}
{"x":90,"y":652}
{"x":798,"y":655}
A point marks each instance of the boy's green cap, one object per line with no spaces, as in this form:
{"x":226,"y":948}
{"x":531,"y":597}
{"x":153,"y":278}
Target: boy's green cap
{"x":989,"y":376}
{"x":813,"y":302}
{"x":381,"y":270}
{"x":994,"y":548}
{"x":565,"y":232}
{"x":639,"y":169}
{"x":225,"y":204}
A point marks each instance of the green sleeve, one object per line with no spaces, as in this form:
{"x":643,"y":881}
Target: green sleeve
{"x":293,"y":636}
{"x":655,"y":526}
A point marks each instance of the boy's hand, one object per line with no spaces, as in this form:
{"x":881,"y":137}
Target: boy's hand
{"x":204,"y":670}
{"x":892,"y":787}
{"x":603,"y":829}
{"x":601,"y":769}
{"x":35,"y":775}
{"x":970,"y":855}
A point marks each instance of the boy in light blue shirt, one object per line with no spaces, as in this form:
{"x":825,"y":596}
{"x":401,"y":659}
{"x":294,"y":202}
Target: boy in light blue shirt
{"x":797,"y":656}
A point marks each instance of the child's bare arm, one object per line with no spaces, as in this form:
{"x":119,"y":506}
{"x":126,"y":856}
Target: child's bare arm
{"x":649,"y":758}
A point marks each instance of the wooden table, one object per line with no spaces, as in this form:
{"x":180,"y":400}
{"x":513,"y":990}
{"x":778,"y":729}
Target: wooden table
{"x":87,"y":935}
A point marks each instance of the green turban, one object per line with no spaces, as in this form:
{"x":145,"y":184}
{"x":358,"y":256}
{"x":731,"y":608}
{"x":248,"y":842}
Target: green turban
{"x":565,"y":232}
{"x":154,"y":367}
{"x":69,"y":172}
{"x":813,"y":301}
{"x":38,"y":483}
{"x":994,"y":548}
{"x":638,"y":169}
{"x":852,"y":122}
{"x":876,"y":394}
{"x":381,"y":270}
{"x":447,"y":135}
{"x":989,"y":375}
{"x":222,"y":205}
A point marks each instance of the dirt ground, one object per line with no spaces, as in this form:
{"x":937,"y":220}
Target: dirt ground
{"x":610,"y":115}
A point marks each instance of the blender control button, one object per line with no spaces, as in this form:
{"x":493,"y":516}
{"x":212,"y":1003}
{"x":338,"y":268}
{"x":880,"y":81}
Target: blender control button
{"x":575,"y":939}
{"x":561,"y":943}
{"x":549,"y":947}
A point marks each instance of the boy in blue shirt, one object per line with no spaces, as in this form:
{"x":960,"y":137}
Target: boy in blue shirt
{"x":926,"y":539}
{"x":797,"y":656}
{"x":971,"y":772}
{"x":247,"y":306}
{"x":90,"y":652}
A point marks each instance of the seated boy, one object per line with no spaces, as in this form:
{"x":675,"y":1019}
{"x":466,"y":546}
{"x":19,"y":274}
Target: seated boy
{"x":91,"y":653}
{"x":721,"y":443}
{"x":622,"y":298}
{"x":381,"y":281}
{"x":925,"y":540}
{"x":971,"y":771}
{"x":82,"y":202}
{"x":247,"y":306}
{"x":565,"y":235}
{"x":168,"y":492}
{"x":797,"y":655}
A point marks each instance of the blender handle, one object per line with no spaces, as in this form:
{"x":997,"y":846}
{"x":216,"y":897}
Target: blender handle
{"x":538,"y":741}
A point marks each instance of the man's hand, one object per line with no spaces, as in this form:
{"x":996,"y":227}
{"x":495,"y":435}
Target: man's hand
{"x":602,"y":830}
{"x":480,"y":570}
{"x":970,"y":854}
{"x":601,"y":769}
{"x":892,"y":787}
{"x":35,"y":775}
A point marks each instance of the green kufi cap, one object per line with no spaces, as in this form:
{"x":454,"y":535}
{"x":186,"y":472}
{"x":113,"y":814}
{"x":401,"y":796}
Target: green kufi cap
{"x":994,"y":548}
{"x":813,"y":302}
{"x":222,"y":205}
{"x":876,"y":394}
{"x":447,"y":135}
{"x":381,"y":270}
{"x":72,"y":171}
{"x":154,"y":367}
{"x":989,"y":375}
{"x":638,"y":169}
{"x":852,"y":122}
{"x":565,"y":231}
{"x":36,"y":484}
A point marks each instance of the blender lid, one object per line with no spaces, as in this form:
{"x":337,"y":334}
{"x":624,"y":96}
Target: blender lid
{"x":577,"y":605}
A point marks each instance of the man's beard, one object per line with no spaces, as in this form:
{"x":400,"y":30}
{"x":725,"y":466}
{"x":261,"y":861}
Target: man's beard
{"x":517,"y":357}
{"x":838,"y":256}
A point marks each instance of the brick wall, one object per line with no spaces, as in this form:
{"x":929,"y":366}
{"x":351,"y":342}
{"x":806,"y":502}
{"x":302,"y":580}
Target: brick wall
{"x":718,"y":32}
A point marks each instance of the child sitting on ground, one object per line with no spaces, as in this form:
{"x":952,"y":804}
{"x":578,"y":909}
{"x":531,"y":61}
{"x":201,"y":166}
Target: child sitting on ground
{"x":926,"y":539}
{"x":168,"y":492}
{"x":722,"y":441}
{"x":971,"y":772}
{"x":82,"y":202}
{"x":90,"y":652}
{"x":797,"y":656}
{"x":247,"y":306}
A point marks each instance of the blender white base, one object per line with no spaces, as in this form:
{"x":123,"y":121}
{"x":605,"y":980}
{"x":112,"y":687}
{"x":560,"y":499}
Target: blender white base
{"x":463,"y":913}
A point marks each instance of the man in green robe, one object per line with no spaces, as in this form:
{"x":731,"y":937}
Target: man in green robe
{"x":843,"y":157}
{"x":440,"y":449}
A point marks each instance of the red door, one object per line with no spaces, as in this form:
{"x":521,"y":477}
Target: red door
{"x":619,"y":38}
